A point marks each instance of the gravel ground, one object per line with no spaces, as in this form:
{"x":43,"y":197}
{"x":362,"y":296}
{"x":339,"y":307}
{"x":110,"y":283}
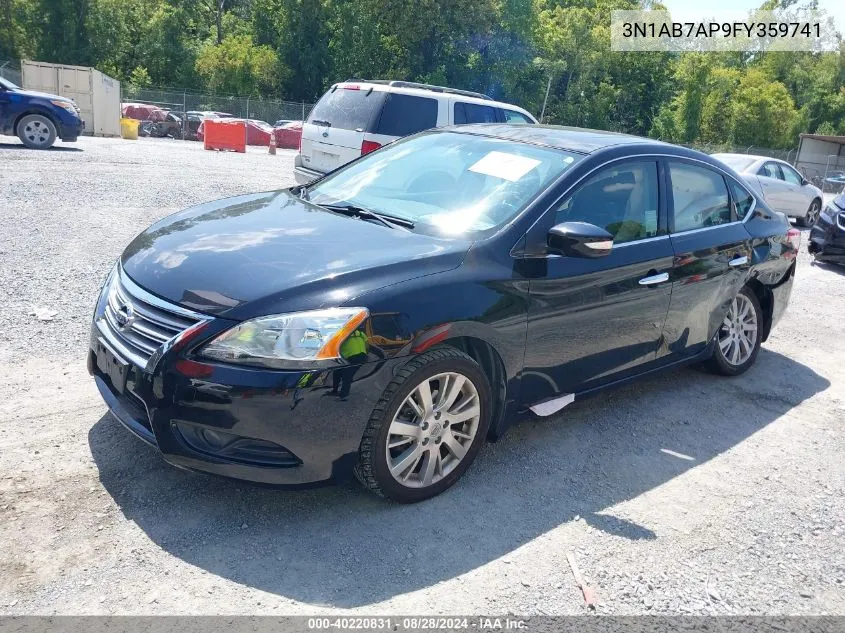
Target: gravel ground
{"x":684,"y":493}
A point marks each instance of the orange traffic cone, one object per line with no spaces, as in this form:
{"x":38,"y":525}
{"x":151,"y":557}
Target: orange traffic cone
{"x":272,"y":147}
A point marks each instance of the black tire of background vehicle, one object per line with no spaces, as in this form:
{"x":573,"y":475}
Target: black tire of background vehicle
{"x":812,"y":215}
{"x":38,"y":121}
{"x":372,"y":469}
{"x":718,"y":363}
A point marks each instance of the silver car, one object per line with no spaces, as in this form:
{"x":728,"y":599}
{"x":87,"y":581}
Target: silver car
{"x":783,"y":188}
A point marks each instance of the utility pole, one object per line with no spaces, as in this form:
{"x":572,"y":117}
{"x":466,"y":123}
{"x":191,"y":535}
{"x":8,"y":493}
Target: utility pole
{"x":546,"y":98}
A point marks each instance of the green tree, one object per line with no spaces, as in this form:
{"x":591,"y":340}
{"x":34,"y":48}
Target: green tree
{"x":762,"y":112}
{"x":17,"y":39}
{"x":239,"y":66}
{"x":716,"y":120}
{"x":62,"y":31}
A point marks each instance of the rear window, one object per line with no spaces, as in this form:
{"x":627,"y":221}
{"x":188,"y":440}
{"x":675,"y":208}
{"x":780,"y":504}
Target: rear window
{"x":474,"y":113}
{"x":739,"y":163}
{"x":347,"y":109}
{"x":406,"y":114}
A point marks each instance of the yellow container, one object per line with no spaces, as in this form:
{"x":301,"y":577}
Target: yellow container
{"x":129,"y":129}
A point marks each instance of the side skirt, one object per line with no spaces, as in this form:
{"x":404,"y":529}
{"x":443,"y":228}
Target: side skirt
{"x":553,"y":405}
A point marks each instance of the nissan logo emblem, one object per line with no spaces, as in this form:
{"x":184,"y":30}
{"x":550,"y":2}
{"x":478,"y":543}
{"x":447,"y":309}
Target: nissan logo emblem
{"x":124,"y":316}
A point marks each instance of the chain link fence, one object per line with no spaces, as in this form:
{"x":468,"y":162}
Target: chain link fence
{"x":788,"y":155}
{"x":269,"y":110}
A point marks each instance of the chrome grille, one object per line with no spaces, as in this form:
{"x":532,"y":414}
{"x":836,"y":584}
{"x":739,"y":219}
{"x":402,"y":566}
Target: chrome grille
{"x":840,"y":220}
{"x":139,"y":323}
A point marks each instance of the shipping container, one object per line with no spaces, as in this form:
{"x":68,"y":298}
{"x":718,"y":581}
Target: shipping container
{"x":96,"y":94}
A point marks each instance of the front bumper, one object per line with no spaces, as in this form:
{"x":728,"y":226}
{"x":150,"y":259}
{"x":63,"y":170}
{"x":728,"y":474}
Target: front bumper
{"x":827,"y":239}
{"x":281,"y":428}
{"x":69,"y":132}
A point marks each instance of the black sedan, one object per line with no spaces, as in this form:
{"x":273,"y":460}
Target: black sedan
{"x":389,"y":318}
{"x":827,"y":239}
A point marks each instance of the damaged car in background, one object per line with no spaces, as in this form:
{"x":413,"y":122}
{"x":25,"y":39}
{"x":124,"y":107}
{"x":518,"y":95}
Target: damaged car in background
{"x":827,"y":239}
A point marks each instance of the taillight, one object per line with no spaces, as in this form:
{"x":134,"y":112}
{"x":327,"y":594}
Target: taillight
{"x":369,"y":146}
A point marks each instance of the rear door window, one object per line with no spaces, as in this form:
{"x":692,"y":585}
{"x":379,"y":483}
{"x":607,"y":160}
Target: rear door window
{"x":474,"y":113}
{"x":348,"y":109}
{"x":406,"y":114}
{"x":699,"y":197}
{"x":771,"y":170}
{"x":516,"y":118}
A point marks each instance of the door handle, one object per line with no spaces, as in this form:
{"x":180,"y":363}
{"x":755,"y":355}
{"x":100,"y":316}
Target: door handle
{"x":654,"y":279}
{"x":739,"y":260}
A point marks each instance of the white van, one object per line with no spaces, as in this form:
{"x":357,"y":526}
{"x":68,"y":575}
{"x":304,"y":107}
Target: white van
{"x":356,"y":117}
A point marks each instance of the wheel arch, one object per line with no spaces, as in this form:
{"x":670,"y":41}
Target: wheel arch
{"x":767,"y":301}
{"x":493,"y":367}
{"x":36,"y":110}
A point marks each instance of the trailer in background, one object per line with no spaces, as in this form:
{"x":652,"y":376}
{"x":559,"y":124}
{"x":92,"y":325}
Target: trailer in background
{"x":96,"y":94}
{"x":821,"y":158}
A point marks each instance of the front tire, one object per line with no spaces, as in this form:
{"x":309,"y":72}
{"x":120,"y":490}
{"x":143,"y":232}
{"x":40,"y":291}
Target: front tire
{"x":36,"y":131}
{"x":812,"y":216}
{"x":427,"y":428}
{"x":739,"y":337}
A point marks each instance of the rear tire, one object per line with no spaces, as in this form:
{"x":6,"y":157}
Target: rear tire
{"x":36,"y":131}
{"x":812,"y":216}
{"x":739,"y":336}
{"x":416,"y":446}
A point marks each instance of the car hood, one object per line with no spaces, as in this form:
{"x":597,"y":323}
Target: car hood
{"x":268,"y":253}
{"x":839,"y":201}
{"x":42,"y":95}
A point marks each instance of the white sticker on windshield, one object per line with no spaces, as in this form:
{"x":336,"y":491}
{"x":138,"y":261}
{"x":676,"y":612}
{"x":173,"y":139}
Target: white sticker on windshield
{"x":505,"y":166}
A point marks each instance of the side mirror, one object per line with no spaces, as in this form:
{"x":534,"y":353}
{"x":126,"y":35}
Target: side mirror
{"x":804,"y":181}
{"x":579,"y":239}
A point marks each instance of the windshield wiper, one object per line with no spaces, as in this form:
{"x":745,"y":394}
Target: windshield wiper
{"x":320,"y":122}
{"x":389,"y":221}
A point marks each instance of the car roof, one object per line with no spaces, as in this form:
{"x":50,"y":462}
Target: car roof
{"x":753,"y":157}
{"x":431,"y":92}
{"x":582,"y":140}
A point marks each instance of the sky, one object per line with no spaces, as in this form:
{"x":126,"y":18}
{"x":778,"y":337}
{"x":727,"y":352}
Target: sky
{"x":690,"y":8}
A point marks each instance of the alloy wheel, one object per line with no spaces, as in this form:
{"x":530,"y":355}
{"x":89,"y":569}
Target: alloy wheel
{"x":37,"y":132}
{"x":812,"y":214}
{"x":433,"y":429}
{"x":738,"y":334}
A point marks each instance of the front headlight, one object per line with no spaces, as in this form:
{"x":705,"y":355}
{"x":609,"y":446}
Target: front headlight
{"x":67,"y":105}
{"x":831,"y":211}
{"x":299,"y":336}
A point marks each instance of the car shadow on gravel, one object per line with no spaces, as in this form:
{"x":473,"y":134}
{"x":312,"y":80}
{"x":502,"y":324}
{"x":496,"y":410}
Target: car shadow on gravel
{"x":834,"y":268}
{"x":55,"y":148}
{"x":344,"y":547}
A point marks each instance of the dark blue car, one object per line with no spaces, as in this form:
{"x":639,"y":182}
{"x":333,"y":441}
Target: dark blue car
{"x":37,"y":118}
{"x":827,"y":239}
{"x":390,"y":317}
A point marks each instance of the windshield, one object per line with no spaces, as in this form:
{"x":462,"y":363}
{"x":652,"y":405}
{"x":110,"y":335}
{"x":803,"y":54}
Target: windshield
{"x":451,"y":182}
{"x":8,"y":84}
{"x":737,"y":163}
